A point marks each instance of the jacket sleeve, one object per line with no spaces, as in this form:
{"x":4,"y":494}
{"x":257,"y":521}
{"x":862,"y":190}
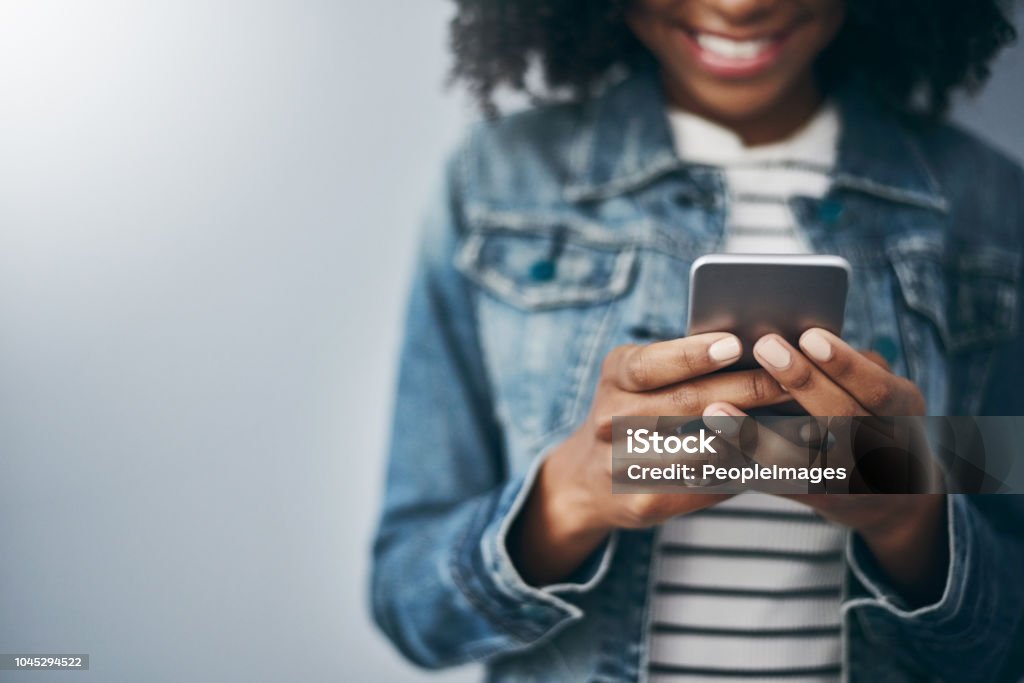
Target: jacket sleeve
{"x":972,"y":631}
{"x":975,"y":632}
{"x":443,"y":587}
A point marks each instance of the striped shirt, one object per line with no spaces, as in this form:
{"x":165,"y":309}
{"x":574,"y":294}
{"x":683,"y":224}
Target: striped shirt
{"x":749,"y":589}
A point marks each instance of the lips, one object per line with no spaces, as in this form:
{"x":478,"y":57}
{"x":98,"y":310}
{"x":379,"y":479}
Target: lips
{"x":728,"y":57}
{"x":727,"y":48}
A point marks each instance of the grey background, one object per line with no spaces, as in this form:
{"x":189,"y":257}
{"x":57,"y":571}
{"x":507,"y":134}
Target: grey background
{"x":206,"y":223}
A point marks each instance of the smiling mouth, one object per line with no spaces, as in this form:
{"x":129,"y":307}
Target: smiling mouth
{"x":728,"y":48}
{"x":733,"y":58}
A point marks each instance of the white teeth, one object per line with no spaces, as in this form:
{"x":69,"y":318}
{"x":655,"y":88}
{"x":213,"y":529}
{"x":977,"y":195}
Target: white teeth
{"x":732,"y":49}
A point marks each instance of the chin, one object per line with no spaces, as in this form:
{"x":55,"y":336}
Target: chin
{"x":737,"y":102}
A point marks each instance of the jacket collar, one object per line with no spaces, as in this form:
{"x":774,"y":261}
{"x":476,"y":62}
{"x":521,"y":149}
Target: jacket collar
{"x":629,"y":143}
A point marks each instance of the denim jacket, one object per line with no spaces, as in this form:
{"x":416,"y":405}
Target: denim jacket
{"x":564,"y":231}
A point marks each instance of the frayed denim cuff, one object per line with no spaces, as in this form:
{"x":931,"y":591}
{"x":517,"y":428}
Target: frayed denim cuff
{"x":491,"y":581}
{"x":969,"y":628}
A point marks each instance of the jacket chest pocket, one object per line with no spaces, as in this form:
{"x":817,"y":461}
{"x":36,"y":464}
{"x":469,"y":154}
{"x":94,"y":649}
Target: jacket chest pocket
{"x":546,"y":294}
{"x":536,"y":271}
{"x":969,"y":293}
{"x":960,"y":301}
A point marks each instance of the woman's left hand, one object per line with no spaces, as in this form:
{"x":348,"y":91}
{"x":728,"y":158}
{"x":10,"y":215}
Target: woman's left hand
{"x":905,"y":533}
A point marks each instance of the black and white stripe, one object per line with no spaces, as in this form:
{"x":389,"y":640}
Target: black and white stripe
{"x":749,"y":589}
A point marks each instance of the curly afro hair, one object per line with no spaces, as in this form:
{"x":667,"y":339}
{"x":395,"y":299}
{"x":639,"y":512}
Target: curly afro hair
{"x":911,"y":54}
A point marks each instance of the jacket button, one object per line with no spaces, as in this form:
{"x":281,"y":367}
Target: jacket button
{"x":829,"y":211}
{"x":885,"y":346}
{"x":692,"y":197}
{"x":542,"y":271}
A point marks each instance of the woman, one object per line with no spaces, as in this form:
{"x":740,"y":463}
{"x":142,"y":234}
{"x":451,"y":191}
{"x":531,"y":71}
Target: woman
{"x":551,"y":294}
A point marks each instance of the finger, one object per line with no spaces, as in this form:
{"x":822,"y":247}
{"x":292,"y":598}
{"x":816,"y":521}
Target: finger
{"x":604,"y":422}
{"x":872,"y":385}
{"x":652,"y":366}
{"x":877,"y":359}
{"x":762,"y":445}
{"x":803,"y":430}
{"x":755,"y":440}
{"x":648,"y":509}
{"x":745,"y":388}
{"x":812,"y":388}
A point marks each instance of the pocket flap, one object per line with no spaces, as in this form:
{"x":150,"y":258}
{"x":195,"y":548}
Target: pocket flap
{"x":969,"y":291}
{"x":545,"y":267}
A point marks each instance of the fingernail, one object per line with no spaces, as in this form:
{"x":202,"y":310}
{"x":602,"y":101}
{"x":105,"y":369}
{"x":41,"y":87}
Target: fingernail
{"x":724,"y":349}
{"x":774,"y":353}
{"x":807,"y":432}
{"x":722,"y":423}
{"x":815,"y":344}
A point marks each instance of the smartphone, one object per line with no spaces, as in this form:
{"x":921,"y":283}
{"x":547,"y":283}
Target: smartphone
{"x":752,"y":295}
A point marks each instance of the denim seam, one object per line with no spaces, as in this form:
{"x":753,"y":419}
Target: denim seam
{"x":641,"y":232}
{"x":973,"y":407}
{"x":969,"y":635}
{"x":483,"y":648}
{"x":481,"y":602}
{"x":894,"y":194}
{"x":933,"y":182}
{"x":581,"y":192}
{"x":548,"y":592}
{"x":587,"y":362}
{"x":500,"y":567}
{"x":541,"y":221}
{"x":520,"y":628}
{"x":491,"y":279}
{"x":965,"y":637}
{"x":882,"y":600}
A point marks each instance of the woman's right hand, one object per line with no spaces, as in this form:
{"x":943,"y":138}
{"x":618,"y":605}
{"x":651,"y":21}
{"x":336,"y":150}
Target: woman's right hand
{"x":571,"y":508}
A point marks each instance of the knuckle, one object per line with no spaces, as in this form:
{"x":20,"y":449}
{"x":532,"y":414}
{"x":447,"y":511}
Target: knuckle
{"x":841,"y":367}
{"x":604,"y":411}
{"x":687,"y":399}
{"x":602,"y":420}
{"x":880,"y":395}
{"x":638,"y":368}
{"x":615,"y":358}
{"x":851,"y":408}
{"x":760,"y":387}
{"x":917,"y":402}
{"x":638,"y":507}
{"x":877,"y":359}
{"x":802,"y":379}
{"x":692,"y":358}
{"x":603,"y":429}
{"x":644,"y":509}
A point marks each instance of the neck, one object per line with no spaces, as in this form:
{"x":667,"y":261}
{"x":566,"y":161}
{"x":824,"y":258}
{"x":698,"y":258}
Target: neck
{"x":767,"y":125}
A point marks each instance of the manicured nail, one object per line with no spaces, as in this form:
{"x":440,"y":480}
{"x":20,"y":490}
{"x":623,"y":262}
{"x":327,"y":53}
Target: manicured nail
{"x":725,"y":349}
{"x":807,"y":432}
{"x":722,"y":422}
{"x":815,"y":344}
{"x":774,"y":353}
